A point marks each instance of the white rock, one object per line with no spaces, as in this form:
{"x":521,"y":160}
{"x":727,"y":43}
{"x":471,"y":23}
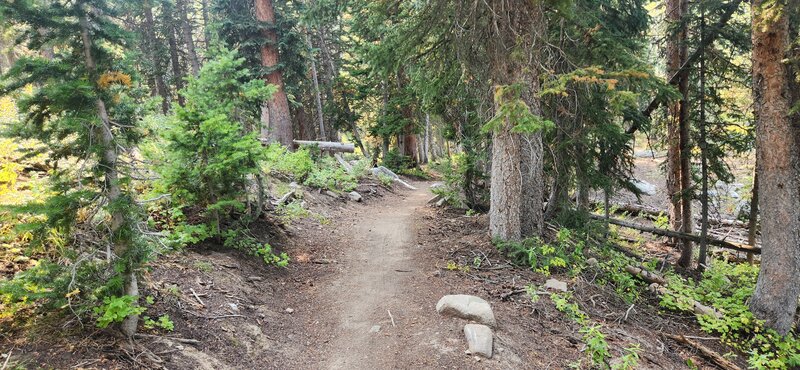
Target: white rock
{"x":645,"y":187}
{"x":375,"y":329}
{"x":466,"y":307}
{"x":354,"y":196}
{"x":437,"y":185}
{"x":592,"y":262}
{"x":479,"y":338}
{"x":289,"y":310}
{"x":555,"y":284}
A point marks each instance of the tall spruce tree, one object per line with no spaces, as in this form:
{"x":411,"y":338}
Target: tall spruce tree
{"x":83,"y":109}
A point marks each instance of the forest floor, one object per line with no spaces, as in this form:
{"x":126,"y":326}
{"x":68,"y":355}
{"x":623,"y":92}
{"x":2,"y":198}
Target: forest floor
{"x":360,"y":293}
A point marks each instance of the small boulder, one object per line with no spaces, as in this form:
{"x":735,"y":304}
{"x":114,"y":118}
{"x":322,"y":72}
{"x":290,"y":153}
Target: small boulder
{"x":555,"y":284}
{"x":479,"y":338}
{"x":375,"y":329}
{"x":645,"y":187}
{"x":331,"y":194}
{"x":592,"y":262}
{"x":354,"y":196}
{"x":466,"y":307}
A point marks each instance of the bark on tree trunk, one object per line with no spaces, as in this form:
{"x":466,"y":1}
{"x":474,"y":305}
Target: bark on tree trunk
{"x":276,"y":114}
{"x":112,"y":192}
{"x":158,"y":73}
{"x":186,"y":29}
{"x":506,"y":185}
{"x":752,"y":222}
{"x":775,"y":91}
{"x":677,"y":131}
{"x":177,"y":71}
{"x":317,"y":97}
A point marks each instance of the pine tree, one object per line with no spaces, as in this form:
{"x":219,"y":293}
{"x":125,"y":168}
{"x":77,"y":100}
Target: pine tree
{"x":83,"y":109}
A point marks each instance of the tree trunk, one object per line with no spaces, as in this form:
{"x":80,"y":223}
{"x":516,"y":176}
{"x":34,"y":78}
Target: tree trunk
{"x":752,"y":222}
{"x":112,"y":189}
{"x":315,"y":83}
{"x":276,"y":116}
{"x":186,"y":29}
{"x":506,"y":185}
{"x":776,"y":91}
{"x":677,"y":130}
{"x":426,"y":142}
{"x":158,"y":73}
{"x":701,"y":262}
{"x":177,"y":71}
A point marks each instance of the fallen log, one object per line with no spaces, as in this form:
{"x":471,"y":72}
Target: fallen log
{"x":645,"y":275}
{"x":707,"y":352}
{"x":347,"y":166}
{"x":676,"y":234}
{"x":651,"y":212}
{"x":330,"y":146}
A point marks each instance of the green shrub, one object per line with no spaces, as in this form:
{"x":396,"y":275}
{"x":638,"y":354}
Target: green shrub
{"x":563,"y":254}
{"x":727,"y":288}
{"x":116,"y":309}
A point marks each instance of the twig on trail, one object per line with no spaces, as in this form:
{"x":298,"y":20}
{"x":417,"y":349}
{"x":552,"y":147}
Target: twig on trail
{"x":197,"y":297}
{"x":391,"y":317}
{"x":8,"y":357}
{"x":397,"y":270}
{"x":707,"y":352}
{"x":627,"y":313}
{"x":700,"y":338}
{"x":213,"y":317}
{"x":176,"y":339}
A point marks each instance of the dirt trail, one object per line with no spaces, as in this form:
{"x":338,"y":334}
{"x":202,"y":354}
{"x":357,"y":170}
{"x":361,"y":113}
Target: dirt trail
{"x":378,"y":280}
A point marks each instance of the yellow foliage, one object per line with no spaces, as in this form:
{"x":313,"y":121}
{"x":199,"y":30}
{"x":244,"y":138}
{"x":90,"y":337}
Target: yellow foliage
{"x":109,"y":78}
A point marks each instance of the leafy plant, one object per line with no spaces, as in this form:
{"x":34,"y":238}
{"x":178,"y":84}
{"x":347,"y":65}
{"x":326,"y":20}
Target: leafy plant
{"x":116,"y":309}
{"x":163,"y":322}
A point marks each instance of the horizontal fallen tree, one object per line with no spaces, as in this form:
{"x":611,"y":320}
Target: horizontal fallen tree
{"x":676,"y":234}
{"x":329,"y":146}
{"x":651,"y":212}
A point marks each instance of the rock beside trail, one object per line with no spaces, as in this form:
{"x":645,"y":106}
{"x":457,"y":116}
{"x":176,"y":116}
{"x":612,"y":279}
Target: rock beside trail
{"x":466,"y":307}
{"x":354,"y":196}
{"x":479,"y":338}
{"x":645,"y":187}
{"x":555,"y":284}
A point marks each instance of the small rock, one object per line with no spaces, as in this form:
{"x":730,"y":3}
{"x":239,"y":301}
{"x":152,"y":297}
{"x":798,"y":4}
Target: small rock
{"x":233,"y":306}
{"x":354,"y":196}
{"x":645,"y":187}
{"x":555,"y":284}
{"x":375,"y":329}
{"x":437,"y":185}
{"x":435,"y":199}
{"x":479,"y":338}
{"x":293,"y":185}
{"x":179,"y":347}
{"x":592,"y":262}
{"x":255,"y":278}
{"x":466,"y":307}
{"x":441,"y":202}
{"x":331,"y":194}
{"x":289,"y":310}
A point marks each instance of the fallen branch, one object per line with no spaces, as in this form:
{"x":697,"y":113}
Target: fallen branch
{"x":197,"y":297}
{"x":330,"y":146}
{"x":347,"y":167}
{"x":676,"y":234}
{"x":707,"y":352}
{"x":645,"y":275}
{"x":391,"y":317}
{"x":176,"y":339}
